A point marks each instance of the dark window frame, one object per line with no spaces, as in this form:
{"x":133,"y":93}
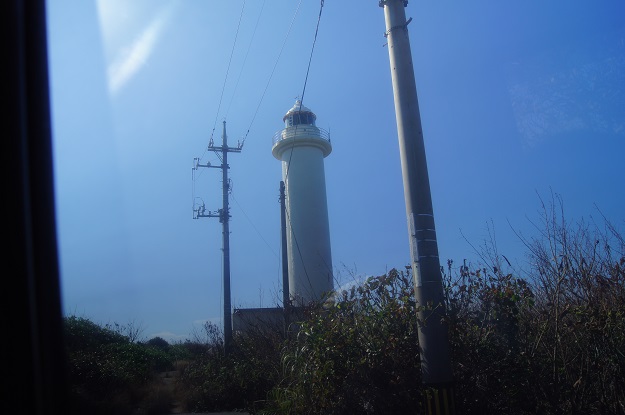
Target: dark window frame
{"x":36,"y":354}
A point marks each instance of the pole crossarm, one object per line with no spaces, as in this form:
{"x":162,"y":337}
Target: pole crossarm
{"x":201,"y":213}
{"x":221,"y":149}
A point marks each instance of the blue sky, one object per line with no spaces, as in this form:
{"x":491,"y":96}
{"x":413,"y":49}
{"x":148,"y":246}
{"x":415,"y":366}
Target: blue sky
{"x":518,"y":99}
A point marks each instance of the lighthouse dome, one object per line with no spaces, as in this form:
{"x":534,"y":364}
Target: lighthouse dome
{"x":299,"y":115}
{"x":300,"y":131}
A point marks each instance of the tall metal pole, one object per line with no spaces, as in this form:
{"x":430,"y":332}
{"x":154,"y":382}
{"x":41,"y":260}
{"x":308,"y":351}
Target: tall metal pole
{"x":225,"y":220}
{"x":224,"y":217}
{"x":433,"y":336}
{"x":286,"y":300}
{"x":285,"y":260}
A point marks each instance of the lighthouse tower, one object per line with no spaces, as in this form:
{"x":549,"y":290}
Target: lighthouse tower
{"x":302,"y":146}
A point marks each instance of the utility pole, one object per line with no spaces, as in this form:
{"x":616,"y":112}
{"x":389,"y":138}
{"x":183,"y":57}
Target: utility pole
{"x":436,"y":368}
{"x":224,"y":218}
{"x":286,"y":298}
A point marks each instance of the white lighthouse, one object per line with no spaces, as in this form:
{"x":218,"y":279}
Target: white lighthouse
{"x":302,"y":146}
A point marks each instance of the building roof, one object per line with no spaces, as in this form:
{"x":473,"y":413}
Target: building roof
{"x":298,"y":107}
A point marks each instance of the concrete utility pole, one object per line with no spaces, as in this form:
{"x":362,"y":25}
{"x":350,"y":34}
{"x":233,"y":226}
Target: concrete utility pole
{"x":433,"y":336}
{"x":286,"y":300}
{"x":224,"y":217}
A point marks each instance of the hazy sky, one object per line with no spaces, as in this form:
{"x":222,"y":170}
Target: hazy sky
{"x":518,"y":99}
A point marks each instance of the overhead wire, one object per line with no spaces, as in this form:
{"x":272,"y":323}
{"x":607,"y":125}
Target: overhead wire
{"x":311,"y":53}
{"x":253,"y":226}
{"x":227,"y":70}
{"x":272,"y":71}
{"x":301,"y":102}
{"x":220,"y":101}
{"x":241,"y":71}
{"x":262,"y":97}
{"x":245,"y":59}
{"x":270,"y":76}
{"x":265,"y":90}
{"x":299,"y":251}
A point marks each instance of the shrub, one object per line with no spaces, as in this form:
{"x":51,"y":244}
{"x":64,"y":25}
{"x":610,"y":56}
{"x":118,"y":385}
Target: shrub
{"x":357,"y":356}
{"x":213,"y":381}
{"x":551,"y":342}
{"x":107,"y":372}
{"x":547,"y":339}
{"x":488,"y":329}
{"x":578,"y":324}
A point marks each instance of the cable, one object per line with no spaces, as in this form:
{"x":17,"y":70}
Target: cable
{"x":301,"y":103}
{"x":272,"y":72}
{"x":245,"y":59}
{"x":300,"y":252}
{"x":228,"y":70}
{"x":219,"y":157}
{"x":311,"y":53}
{"x":288,"y":216}
{"x":262,"y":98}
{"x":253,"y":226}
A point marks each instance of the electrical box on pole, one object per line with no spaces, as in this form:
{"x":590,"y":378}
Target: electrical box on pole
{"x":433,"y":336}
{"x":224,"y":218}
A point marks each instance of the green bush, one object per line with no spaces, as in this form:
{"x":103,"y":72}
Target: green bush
{"x":213,"y":381}
{"x":357,"y":356}
{"x":488,"y":329}
{"x":548,"y":339}
{"x":551,"y":342}
{"x":107,"y":372}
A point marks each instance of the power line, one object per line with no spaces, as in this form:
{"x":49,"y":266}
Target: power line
{"x":254,"y":226}
{"x":272,"y":71}
{"x":228,"y":70}
{"x":224,"y":214}
{"x":311,"y":53}
{"x":246,"y":55}
{"x":301,"y":103}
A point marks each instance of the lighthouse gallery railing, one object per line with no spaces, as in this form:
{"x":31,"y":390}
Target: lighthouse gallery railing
{"x":304,"y":131}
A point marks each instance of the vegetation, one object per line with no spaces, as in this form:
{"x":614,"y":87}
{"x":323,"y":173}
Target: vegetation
{"x":108,"y":373}
{"x":213,"y":381}
{"x":546,"y":339}
{"x":358,"y":356}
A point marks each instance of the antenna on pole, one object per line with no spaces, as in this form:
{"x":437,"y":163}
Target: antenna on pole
{"x":224,"y":218}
